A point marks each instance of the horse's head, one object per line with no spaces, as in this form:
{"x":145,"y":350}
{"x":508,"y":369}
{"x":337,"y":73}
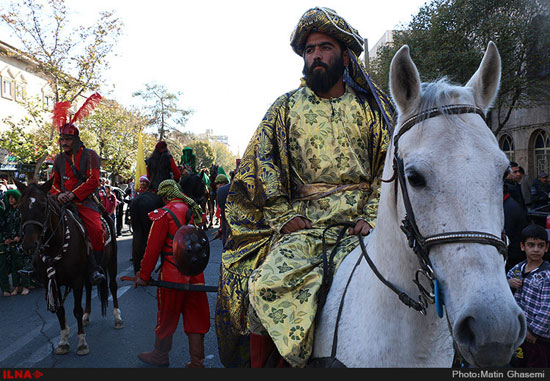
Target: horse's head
{"x":452,"y":173}
{"x":34,"y":213}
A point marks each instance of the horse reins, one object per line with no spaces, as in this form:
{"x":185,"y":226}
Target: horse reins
{"x":54,"y":298}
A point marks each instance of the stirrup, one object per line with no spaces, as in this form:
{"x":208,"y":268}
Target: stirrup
{"x":27,"y":273}
{"x":96,"y":278}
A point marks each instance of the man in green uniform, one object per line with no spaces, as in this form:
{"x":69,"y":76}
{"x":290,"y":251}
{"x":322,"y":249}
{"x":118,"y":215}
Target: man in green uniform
{"x":12,"y":258}
{"x":315,"y":160}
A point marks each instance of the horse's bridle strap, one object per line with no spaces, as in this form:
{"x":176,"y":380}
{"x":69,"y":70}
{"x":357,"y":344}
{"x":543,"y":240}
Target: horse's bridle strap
{"x":449,"y":110}
{"x":467,"y":236}
{"x":420,"y":244}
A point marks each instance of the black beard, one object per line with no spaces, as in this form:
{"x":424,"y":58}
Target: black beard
{"x":321,"y":81}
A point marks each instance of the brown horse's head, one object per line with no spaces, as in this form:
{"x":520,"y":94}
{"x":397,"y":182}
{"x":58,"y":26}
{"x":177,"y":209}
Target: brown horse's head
{"x":33,"y":207}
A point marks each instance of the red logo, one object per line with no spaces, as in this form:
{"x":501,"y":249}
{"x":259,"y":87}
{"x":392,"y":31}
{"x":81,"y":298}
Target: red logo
{"x":20,"y":374}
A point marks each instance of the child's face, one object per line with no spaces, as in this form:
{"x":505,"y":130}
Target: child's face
{"x":534,"y":248}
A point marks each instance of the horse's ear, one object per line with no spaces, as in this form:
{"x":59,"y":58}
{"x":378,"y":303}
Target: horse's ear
{"x":404,"y":81}
{"x":47,"y":185}
{"x":20,"y":186}
{"x":486,"y":80}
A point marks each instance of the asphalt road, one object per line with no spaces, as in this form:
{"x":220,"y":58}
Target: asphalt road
{"x":29,"y":333}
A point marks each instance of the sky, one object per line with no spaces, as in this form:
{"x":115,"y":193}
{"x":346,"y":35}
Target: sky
{"x":230,"y":59}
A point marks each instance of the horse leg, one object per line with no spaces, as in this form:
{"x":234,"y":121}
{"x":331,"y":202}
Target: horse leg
{"x":63,"y":346}
{"x":113,"y":286}
{"x":82,"y":348}
{"x":88,"y":308}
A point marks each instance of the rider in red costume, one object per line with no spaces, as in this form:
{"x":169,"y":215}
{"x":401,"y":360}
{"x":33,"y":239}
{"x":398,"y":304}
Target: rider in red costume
{"x":192,"y":305}
{"x":76,"y":173}
{"x":76,"y":178}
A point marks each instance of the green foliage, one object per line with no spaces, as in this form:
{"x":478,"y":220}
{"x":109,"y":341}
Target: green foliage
{"x":204,"y":153}
{"x":113,"y":132}
{"x":448,"y":38}
{"x":30,"y":139}
{"x":224,"y":157}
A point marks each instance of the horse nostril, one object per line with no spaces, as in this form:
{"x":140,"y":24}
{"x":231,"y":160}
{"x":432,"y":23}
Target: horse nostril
{"x":464,"y":331}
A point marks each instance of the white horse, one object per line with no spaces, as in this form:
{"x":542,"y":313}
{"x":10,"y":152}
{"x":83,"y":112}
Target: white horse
{"x":451,"y":182}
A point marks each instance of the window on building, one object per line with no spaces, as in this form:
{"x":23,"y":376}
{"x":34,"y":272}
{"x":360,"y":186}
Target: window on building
{"x":7,"y":88}
{"x":542,"y":152}
{"x":507,"y":146}
{"x":20,"y":91}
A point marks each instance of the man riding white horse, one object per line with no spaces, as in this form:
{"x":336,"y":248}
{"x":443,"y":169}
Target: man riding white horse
{"x":314,"y":161}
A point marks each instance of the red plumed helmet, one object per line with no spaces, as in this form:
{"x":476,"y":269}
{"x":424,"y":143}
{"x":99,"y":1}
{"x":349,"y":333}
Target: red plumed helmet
{"x":61,"y":113}
{"x":69,"y":129}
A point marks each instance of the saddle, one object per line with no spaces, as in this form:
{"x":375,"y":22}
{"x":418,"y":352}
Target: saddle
{"x":72,"y":212}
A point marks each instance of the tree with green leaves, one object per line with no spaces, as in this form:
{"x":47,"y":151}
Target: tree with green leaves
{"x":30,"y":139}
{"x":72,"y":60}
{"x":163,"y":110}
{"x":116,"y":132}
{"x":448,"y":38}
{"x":204,"y":153}
{"x":224,"y":157}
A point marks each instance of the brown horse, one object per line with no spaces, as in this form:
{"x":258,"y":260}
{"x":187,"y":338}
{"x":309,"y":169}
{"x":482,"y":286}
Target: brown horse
{"x":57,"y":240}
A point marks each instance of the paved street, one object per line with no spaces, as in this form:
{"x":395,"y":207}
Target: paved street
{"x":29,"y":332}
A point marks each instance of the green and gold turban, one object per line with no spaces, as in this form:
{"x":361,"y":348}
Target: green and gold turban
{"x":170,"y":189}
{"x":327,"y":21}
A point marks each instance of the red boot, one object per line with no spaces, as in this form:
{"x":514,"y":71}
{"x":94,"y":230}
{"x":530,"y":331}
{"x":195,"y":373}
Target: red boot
{"x":159,"y":355}
{"x":264,"y":353}
{"x":196,"y":350}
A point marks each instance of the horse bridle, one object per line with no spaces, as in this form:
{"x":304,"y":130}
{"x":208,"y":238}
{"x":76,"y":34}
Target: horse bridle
{"x":421,"y":245}
{"x":42,"y":225}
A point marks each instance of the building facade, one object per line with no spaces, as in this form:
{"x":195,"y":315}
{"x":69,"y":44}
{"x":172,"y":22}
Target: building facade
{"x":20,"y":80}
{"x":526,"y":139}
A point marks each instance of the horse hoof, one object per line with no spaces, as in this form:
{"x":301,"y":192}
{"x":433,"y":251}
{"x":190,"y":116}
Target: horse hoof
{"x":85,"y":320}
{"x":62,"y":349}
{"x":119,"y":324}
{"x":82,"y":350}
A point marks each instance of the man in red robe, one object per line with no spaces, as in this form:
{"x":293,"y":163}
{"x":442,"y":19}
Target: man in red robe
{"x":75,"y":179}
{"x":192,"y":305}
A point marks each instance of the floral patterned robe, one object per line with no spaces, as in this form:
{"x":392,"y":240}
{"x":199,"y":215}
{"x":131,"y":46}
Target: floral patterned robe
{"x":305,"y":153}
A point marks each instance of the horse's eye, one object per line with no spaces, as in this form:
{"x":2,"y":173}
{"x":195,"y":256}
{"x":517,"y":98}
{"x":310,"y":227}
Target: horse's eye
{"x":416,"y":179}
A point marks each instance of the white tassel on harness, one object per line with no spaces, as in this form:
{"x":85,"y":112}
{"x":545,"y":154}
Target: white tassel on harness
{"x":51,"y":295}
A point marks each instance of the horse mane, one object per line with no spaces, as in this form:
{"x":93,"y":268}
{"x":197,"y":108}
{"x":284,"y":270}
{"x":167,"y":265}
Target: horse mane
{"x":440,"y":93}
